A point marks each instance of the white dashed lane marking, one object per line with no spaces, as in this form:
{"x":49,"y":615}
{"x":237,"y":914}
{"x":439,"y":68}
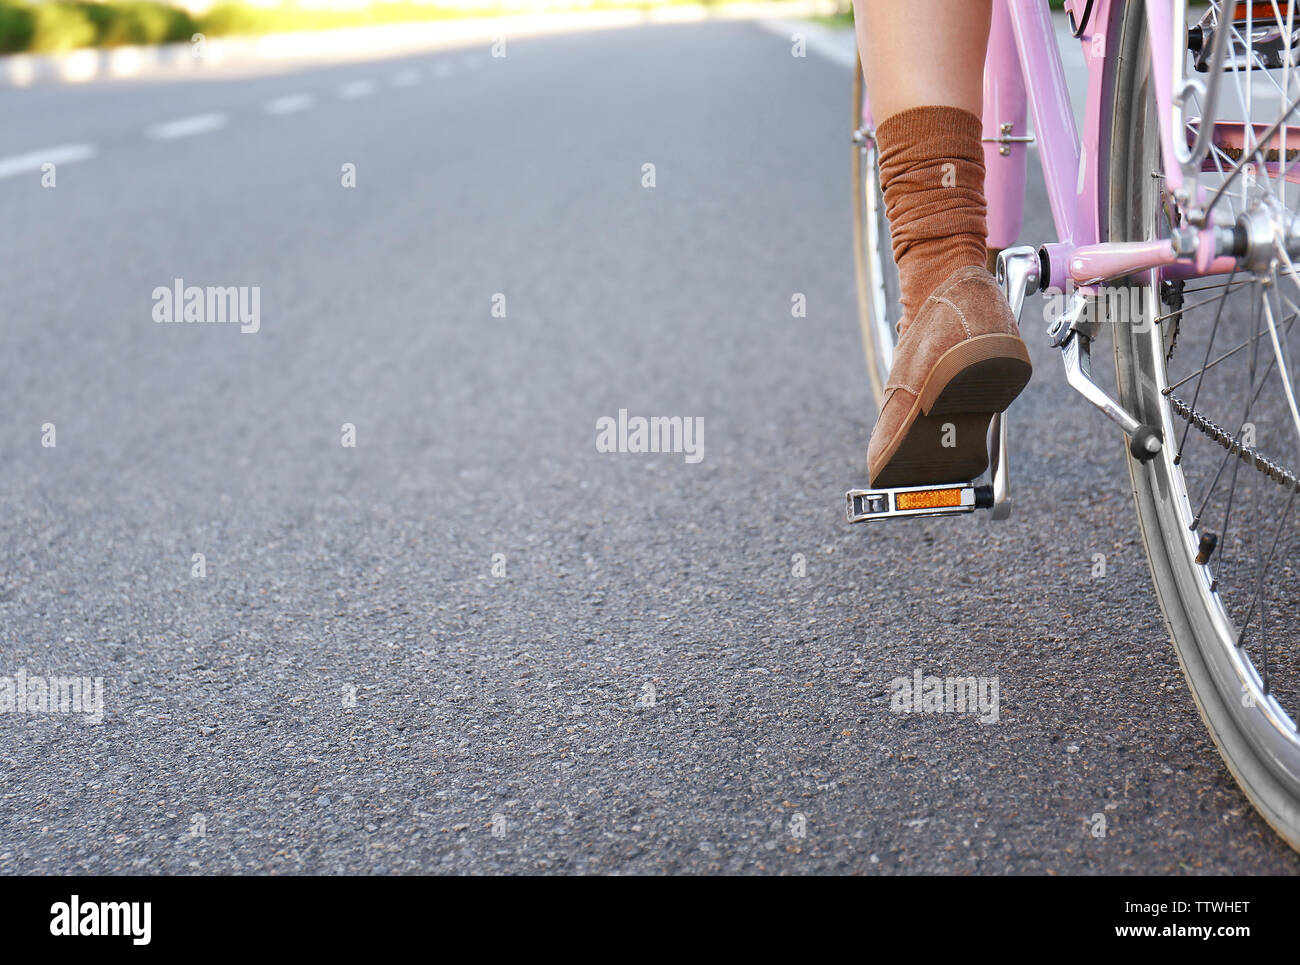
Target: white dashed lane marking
{"x":26,"y":163}
{"x":204,"y":123}
{"x":187,"y":126}
{"x":357,"y":88}
{"x":290,"y":103}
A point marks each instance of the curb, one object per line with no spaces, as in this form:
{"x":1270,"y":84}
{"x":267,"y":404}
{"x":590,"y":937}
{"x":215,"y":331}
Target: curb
{"x":362,"y":43}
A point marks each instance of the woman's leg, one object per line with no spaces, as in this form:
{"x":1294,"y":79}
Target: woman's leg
{"x":923,"y":53}
{"x":959,"y":357}
{"x":924,"y":65}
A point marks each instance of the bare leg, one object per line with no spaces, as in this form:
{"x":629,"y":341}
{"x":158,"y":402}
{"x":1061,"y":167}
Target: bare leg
{"x":923,"y":53}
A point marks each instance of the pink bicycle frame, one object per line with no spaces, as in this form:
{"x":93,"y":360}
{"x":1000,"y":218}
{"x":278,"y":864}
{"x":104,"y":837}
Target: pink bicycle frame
{"x":1023,"y":68}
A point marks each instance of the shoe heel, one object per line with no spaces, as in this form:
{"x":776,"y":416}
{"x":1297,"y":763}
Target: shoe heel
{"x":938,"y":450}
{"x":984,"y":374}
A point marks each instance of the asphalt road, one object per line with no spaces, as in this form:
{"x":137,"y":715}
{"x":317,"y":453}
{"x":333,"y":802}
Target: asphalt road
{"x":349,"y":687}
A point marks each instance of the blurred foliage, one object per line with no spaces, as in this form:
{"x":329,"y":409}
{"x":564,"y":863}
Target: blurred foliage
{"x":17,"y":24}
{"x":58,"y":26}
{"x":46,"y":26}
{"x":138,"y":22}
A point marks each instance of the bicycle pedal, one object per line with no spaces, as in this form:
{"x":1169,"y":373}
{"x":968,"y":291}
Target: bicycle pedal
{"x":947,"y":499}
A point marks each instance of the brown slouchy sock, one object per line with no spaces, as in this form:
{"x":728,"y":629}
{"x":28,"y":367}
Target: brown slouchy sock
{"x":937,"y":214}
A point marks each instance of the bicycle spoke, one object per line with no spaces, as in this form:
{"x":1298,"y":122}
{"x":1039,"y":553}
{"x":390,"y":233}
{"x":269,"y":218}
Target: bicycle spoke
{"x":1259,"y":585}
{"x":1218,"y":317}
{"x":1245,"y":417}
{"x":1283,"y":369}
{"x":1289,"y":321}
{"x":1206,"y":288}
{"x":1188,"y":308}
{"x":1227,"y":519}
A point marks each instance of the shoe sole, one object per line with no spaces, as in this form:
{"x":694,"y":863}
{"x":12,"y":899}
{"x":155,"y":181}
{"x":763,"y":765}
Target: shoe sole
{"x":945,"y":436}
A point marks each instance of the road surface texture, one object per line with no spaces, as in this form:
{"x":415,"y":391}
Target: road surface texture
{"x":472,"y":642}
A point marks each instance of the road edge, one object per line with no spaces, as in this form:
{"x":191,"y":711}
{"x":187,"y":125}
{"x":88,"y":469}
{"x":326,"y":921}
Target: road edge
{"x":365,"y":43}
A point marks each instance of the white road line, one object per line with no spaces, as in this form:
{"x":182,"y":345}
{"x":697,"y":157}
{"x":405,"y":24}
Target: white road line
{"x":441,"y":70}
{"x":289,"y":104}
{"x":26,"y":163}
{"x":187,"y":126}
{"x":406,"y":78}
{"x":357,"y":88}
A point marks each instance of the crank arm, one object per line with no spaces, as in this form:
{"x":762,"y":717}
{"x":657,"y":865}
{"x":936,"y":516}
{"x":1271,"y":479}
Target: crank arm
{"x":1073,"y":335}
{"x":1017,"y":276}
{"x":1001,"y":488}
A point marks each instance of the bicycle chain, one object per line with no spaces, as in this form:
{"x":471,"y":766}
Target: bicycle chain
{"x":1247,"y":454}
{"x":1172,"y":295}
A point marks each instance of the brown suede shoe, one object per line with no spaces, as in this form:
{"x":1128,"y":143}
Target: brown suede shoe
{"x":958,"y":362}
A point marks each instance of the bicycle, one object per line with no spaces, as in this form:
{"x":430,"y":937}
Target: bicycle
{"x":1177,"y":195}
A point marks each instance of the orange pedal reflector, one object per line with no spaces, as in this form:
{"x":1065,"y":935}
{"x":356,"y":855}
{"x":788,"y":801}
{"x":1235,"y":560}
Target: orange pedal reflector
{"x":1261,"y":11}
{"x":928,"y":499}
{"x":913,"y":501}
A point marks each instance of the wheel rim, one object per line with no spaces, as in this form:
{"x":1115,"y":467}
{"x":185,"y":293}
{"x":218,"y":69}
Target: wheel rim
{"x":877,"y":276}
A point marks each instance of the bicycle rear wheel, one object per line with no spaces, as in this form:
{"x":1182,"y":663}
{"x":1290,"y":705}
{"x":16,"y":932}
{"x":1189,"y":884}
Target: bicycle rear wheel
{"x":1208,"y":361}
